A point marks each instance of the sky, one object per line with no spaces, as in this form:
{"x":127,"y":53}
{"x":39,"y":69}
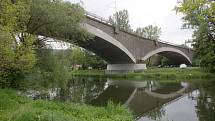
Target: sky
{"x":143,"y":13}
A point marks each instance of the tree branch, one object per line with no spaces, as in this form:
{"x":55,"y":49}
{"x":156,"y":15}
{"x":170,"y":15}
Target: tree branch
{"x":39,"y":26}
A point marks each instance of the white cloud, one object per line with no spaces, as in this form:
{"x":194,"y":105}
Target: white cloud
{"x":143,"y":13}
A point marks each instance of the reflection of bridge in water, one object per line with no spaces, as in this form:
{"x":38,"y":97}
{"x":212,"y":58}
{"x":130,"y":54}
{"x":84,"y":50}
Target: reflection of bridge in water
{"x":141,"y":97}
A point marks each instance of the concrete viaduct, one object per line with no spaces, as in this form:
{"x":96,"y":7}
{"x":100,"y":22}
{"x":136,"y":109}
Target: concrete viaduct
{"x":127,"y":51}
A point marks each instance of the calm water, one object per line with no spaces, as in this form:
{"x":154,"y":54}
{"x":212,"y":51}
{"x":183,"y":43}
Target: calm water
{"x":148,"y":100}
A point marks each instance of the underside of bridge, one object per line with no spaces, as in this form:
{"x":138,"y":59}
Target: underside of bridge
{"x":175,"y":56}
{"x":120,"y":58}
{"x":109,"y":52}
{"x":107,"y":47}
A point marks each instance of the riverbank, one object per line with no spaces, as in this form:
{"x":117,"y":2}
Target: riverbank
{"x":16,"y":107}
{"x":153,"y":73}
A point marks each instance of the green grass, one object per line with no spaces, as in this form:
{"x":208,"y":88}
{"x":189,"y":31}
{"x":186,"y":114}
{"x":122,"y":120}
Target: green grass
{"x":156,"y":73}
{"x":14,"y":107}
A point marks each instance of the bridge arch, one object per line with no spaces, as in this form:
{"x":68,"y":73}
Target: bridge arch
{"x":177,"y":55}
{"x":107,"y":47}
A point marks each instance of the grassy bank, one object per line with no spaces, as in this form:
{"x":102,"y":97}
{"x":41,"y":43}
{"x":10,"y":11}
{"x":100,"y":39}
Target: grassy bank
{"x":156,"y":73}
{"x":14,"y":107}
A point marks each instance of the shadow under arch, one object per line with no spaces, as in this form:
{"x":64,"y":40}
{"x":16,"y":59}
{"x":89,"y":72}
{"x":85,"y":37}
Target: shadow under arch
{"x":177,"y":56}
{"x":107,"y":47}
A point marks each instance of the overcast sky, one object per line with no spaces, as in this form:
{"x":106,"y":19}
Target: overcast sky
{"x":143,"y":13}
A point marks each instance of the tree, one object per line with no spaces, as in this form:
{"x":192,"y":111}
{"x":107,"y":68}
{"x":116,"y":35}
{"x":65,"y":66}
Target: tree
{"x":16,"y":57}
{"x":94,"y":61}
{"x":77,"y":56}
{"x":199,"y":15}
{"x":149,"y":32}
{"x":85,"y":58}
{"x":121,"y":20}
{"x":52,"y":67}
{"x":26,"y":19}
{"x":56,"y":19}
{"x":165,"y":61}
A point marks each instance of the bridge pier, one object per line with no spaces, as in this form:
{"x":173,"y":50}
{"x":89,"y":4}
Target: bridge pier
{"x":124,"y":68}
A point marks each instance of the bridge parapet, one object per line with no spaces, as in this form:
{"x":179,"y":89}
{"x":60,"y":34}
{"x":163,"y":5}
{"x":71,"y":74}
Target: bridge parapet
{"x":99,"y":18}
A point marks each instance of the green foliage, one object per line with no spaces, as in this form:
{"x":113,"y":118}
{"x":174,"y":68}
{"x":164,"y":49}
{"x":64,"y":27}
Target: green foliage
{"x":17,"y":56}
{"x":77,"y":56}
{"x":205,"y":49}
{"x":196,"y":62}
{"x":164,"y":61}
{"x":121,"y":20}
{"x":7,"y":19}
{"x":18,"y":108}
{"x":155,"y":60}
{"x":149,"y":32}
{"x":199,"y":14}
{"x":94,"y":61}
{"x":80,"y":56}
{"x":57,"y":19}
{"x":21,"y":22}
{"x":52,"y":67}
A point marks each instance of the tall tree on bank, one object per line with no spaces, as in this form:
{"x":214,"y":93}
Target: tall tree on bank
{"x":149,"y":32}
{"x":200,"y":15}
{"x":16,"y":57}
{"x":26,"y":19}
{"x":57,"y":19}
{"x":121,"y":20}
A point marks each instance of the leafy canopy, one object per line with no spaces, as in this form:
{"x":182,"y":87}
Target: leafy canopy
{"x":121,"y":20}
{"x":200,"y":15}
{"x":149,"y":32}
{"x":22,"y":21}
{"x":16,"y":57}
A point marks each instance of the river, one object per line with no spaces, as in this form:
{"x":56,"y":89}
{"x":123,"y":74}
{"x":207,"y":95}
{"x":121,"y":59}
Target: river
{"x":148,"y":100}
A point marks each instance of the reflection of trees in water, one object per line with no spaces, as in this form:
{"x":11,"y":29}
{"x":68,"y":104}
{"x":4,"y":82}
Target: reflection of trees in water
{"x":84,"y":90}
{"x":164,"y":87}
{"x":206,"y":102}
{"x":168,"y":87}
{"x":81,"y":90}
{"x":156,"y":114}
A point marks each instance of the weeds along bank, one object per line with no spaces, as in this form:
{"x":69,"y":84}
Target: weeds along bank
{"x":15,"y":107}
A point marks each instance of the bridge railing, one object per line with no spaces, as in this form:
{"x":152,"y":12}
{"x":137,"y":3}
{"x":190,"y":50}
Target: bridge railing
{"x":103,"y":20}
{"x":170,"y":43}
{"x":99,"y":18}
